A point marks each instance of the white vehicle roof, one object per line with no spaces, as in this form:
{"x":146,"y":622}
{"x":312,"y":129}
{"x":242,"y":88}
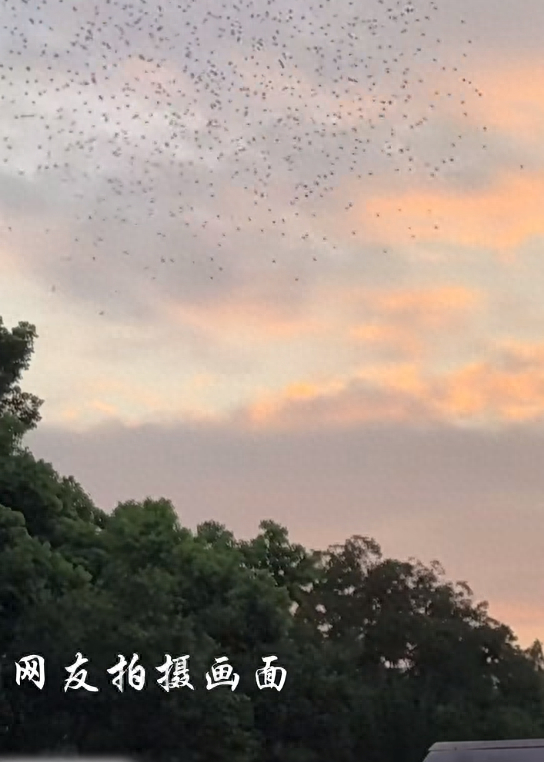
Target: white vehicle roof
{"x":508,"y":744}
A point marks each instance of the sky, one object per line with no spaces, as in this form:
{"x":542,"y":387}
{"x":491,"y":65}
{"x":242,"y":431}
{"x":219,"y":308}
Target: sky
{"x":286,"y":263}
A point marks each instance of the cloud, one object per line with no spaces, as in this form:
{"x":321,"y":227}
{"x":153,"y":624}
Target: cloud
{"x":401,"y":341}
{"x":502,"y":217}
{"x":512,"y":103}
{"x":431,"y":307}
{"x":507,"y":387}
{"x":249,"y":313}
{"x":470,"y":498}
{"x":410,"y":321}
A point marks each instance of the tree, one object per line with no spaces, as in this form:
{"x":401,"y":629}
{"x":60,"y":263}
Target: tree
{"x":16,"y":349}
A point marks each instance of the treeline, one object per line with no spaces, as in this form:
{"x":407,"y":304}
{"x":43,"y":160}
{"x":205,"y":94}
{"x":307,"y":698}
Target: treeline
{"x":383,"y":657}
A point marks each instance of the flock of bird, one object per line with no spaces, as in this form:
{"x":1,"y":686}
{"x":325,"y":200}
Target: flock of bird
{"x":173,"y":131}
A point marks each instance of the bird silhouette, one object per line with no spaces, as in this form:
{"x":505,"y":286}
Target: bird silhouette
{"x":173,"y":120}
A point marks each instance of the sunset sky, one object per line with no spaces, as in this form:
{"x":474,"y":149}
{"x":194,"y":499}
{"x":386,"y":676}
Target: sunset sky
{"x":391,"y":386}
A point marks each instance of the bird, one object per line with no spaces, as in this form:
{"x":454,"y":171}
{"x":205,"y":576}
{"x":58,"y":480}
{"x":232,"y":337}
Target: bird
{"x":170,"y":121}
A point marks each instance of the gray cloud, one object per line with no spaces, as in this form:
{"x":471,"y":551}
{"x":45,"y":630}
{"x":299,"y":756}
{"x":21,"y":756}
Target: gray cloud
{"x":469,"y":498}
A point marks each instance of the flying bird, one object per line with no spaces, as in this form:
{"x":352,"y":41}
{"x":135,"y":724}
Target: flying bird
{"x":155,"y":129}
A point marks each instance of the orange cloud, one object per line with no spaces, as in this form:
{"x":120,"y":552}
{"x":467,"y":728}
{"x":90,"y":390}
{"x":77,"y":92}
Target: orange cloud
{"x":512,"y":99}
{"x":375,"y":394}
{"x":486,"y":389}
{"x":302,"y":391}
{"x":245,"y":314}
{"x":104,"y":407}
{"x":400,"y":340}
{"x":502,"y":217}
{"x":116,"y":398}
{"x":429,"y":307}
{"x":270,"y":405}
{"x":404,"y":319}
{"x":494,"y":391}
